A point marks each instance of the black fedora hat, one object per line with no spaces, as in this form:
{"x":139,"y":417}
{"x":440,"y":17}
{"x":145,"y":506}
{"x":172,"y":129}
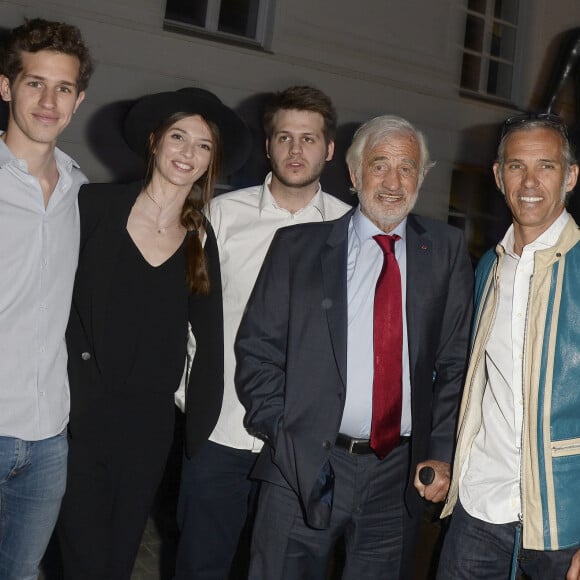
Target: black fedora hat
{"x":150,"y":111}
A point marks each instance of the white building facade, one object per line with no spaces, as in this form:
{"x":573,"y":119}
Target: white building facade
{"x":455,"y":68}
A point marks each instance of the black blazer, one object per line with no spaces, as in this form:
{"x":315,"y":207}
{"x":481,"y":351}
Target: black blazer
{"x":291,"y":350}
{"x":104,"y":209}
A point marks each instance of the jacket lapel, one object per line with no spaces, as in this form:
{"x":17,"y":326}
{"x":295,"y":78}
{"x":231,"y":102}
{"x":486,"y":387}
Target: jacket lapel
{"x":333,"y":261}
{"x":419,"y":264}
{"x":112,"y":244}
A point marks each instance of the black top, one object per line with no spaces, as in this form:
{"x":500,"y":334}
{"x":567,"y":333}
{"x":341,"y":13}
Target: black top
{"x":147,"y":314}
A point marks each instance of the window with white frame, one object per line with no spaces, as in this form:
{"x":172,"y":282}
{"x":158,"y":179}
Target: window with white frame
{"x":246,"y":21}
{"x":489,"y":48}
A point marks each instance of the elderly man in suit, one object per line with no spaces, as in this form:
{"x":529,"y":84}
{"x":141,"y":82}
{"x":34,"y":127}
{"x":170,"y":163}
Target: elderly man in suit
{"x":351,"y":357}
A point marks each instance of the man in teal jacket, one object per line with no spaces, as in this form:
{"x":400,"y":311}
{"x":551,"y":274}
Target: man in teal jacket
{"x":516,"y":477}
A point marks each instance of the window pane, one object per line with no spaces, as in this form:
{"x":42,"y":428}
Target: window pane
{"x":503,"y":41}
{"x":507,"y":10}
{"x":477,"y":6}
{"x":239,"y":17}
{"x":499,"y":81}
{"x":189,"y":11}
{"x":474,"y":33}
{"x":470,"y":72}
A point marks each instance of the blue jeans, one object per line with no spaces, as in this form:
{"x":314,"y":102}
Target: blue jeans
{"x":32,"y":484}
{"x":477,"y":550}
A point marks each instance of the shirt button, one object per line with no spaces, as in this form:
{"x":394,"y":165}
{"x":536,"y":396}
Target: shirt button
{"x":326,"y":444}
{"x":41,"y":349}
{"x":86,"y":356}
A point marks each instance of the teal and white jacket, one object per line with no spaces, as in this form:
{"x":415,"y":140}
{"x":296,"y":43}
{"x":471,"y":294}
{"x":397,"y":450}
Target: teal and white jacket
{"x":550,"y":478}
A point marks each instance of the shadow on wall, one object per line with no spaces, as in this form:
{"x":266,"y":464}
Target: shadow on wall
{"x":3,"y":106}
{"x":257,"y":165}
{"x":106,"y":142}
{"x":562,"y":95}
{"x":335,"y":178}
{"x":475,"y":204}
{"x":3,"y":115}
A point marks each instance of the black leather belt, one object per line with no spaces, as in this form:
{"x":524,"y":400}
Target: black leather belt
{"x":359,"y":446}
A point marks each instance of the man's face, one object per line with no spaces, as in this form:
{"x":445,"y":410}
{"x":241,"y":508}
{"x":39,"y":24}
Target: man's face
{"x":297,"y":149}
{"x":389,"y":180}
{"x":533,"y":179}
{"x":43,"y":96}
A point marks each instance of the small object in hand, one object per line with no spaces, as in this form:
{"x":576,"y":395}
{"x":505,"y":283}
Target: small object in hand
{"x":426,"y":475}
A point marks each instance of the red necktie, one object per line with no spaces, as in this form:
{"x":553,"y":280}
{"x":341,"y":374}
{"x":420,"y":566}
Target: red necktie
{"x":388,"y":347}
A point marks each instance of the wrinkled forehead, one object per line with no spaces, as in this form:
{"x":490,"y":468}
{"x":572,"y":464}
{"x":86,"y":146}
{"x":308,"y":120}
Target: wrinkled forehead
{"x":393,"y":145}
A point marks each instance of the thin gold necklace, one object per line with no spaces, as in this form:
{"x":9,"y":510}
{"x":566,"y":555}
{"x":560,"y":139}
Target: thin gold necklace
{"x":153,"y":199}
{"x":161,"y":230}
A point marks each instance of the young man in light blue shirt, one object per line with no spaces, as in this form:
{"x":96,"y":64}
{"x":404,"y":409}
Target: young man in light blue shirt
{"x":45,"y":70}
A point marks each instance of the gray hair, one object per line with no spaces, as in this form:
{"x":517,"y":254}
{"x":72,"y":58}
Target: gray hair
{"x":379,"y":129}
{"x":567,"y":153}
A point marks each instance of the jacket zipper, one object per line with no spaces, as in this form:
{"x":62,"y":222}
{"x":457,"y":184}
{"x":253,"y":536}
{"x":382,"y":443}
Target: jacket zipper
{"x":560,"y":449}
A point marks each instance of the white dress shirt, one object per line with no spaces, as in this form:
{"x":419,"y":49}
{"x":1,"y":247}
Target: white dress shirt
{"x":245,"y":222}
{"x":490,"y":483}
{"x":365,"y":261}
{"x":37,"y":267}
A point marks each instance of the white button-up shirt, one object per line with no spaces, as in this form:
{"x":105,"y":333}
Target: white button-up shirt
{"x":490,"y":483}
{"x":245,"y":222}
{"x":38,"y":259}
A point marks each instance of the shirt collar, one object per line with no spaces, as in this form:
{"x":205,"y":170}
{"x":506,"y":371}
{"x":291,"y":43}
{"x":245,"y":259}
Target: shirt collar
{"x":545,"y":240}
{"x":366,"y":229}
{"x":62,"y":159}
{"x":5,"y":154}
{"x":267,"y":199}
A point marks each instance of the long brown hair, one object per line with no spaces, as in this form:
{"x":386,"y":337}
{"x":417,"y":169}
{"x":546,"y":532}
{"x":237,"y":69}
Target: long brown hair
{"x":201,"y":192}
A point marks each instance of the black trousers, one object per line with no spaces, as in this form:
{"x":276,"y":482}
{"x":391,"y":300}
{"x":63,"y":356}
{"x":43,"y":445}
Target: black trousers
{"x":368,"y":513}
{"x":117,"y":454}
{"x":214,"y":514}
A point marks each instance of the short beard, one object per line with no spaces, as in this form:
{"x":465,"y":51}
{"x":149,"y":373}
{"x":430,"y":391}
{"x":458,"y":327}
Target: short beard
{"x":311,"y":179}
{"x":389,"y":222}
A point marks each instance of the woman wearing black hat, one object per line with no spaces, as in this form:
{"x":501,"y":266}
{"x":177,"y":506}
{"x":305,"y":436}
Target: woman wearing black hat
{"x":143,"y":274}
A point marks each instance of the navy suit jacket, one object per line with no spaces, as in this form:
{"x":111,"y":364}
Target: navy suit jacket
{"x":291,"y":351}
